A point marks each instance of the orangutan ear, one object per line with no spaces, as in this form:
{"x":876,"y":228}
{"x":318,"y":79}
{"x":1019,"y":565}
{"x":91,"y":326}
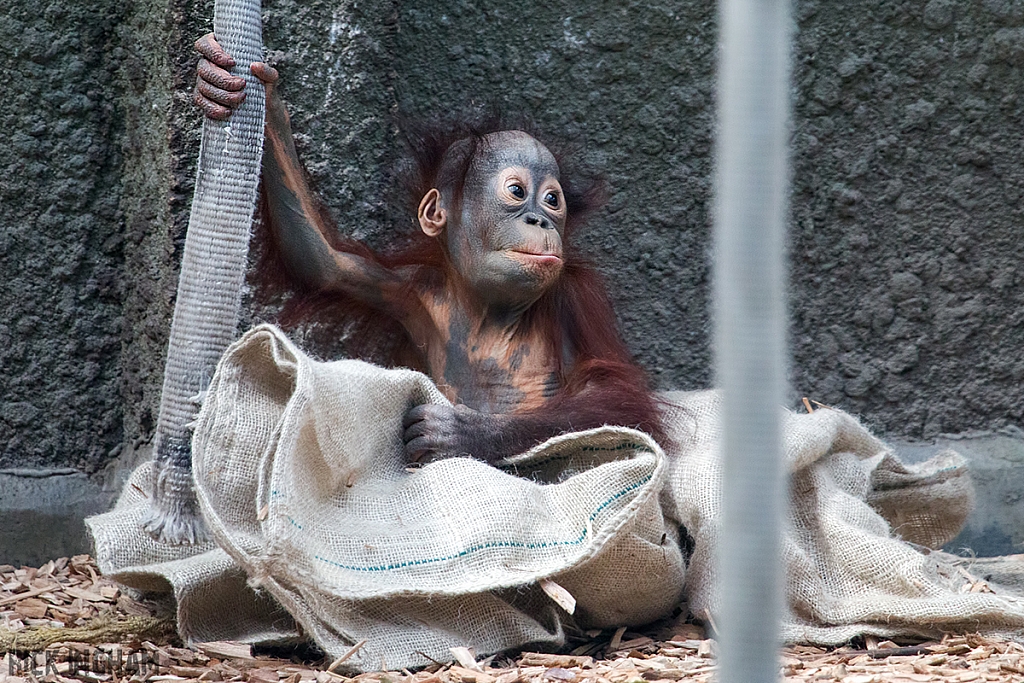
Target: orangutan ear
{"x":432,"y":217}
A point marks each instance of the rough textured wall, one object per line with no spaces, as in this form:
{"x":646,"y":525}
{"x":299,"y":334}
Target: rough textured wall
{"x":60,"y":235}
{"x":907,"y":303}
{"x":336,"y":63}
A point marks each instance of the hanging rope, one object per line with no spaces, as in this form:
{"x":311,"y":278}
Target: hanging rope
{"x":212,"y":273}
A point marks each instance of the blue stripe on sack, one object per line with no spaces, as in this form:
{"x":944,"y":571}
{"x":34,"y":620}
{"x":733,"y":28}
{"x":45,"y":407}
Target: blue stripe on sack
{"x":553,"y":456}
{"x":485,"y":546}
{"x":621,"y":447}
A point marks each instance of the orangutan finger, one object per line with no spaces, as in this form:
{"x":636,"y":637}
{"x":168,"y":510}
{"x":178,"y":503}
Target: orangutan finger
{"x":416,"y":450}
{"x":218,"y":77}
{"x":222,"y":97}
{"x":416,"y":429}
{"x":208,"y":47}
{"x":420,"y":412}
{"x":264,"y":72}
{"x":211,"y":110}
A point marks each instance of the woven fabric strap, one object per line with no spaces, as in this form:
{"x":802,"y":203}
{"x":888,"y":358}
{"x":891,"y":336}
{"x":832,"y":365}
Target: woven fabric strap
{"x":212,"y":273}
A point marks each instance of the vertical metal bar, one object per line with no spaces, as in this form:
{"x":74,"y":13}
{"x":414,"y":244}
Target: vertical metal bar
{"x":751,"y":203}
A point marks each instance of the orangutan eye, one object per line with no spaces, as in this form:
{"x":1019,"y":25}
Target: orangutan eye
{"x":517,"y":191}
{"x":551,"y":199}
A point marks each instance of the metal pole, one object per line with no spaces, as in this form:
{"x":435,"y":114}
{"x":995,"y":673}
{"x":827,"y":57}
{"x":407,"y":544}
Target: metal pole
{"x":751,"y":201}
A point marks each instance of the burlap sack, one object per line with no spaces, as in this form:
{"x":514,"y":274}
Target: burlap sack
{"x":853,"y":565}
{"x":300,"y":475}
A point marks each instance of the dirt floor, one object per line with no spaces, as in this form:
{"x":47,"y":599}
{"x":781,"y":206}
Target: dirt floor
{"x":63,"y":623}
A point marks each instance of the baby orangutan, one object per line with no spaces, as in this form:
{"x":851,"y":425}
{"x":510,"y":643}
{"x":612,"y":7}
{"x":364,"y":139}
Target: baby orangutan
{"x":493,"y":303}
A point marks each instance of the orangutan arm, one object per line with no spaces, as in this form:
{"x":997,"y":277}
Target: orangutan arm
{"x":300,"y":233}
{"x":441,"y":431}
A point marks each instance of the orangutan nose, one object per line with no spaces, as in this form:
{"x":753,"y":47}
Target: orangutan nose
{"x":534,"y":219}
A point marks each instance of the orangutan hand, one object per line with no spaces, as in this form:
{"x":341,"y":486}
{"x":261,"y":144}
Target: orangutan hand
{"x":433,"y":432}
{"x":217,"y":91}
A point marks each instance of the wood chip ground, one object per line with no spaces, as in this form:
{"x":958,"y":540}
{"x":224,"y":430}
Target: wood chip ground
{"x":68,"y":596}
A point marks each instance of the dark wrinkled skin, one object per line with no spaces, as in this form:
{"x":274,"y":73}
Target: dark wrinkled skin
{"x":505,"y":243}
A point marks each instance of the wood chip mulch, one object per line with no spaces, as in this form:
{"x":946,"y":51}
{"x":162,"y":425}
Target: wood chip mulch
{"x":56,"y":623}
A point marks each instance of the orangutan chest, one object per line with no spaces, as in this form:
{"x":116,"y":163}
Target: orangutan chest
{"x":496,"y":378}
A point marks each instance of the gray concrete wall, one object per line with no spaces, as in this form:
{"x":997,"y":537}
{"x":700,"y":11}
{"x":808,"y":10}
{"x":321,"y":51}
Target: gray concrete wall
{"x":61,"y":235}
{"x":905,"y":291}
{"x":906,"y":246}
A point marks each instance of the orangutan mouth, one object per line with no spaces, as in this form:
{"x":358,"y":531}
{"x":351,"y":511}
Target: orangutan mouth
{"x":546,"y":258}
